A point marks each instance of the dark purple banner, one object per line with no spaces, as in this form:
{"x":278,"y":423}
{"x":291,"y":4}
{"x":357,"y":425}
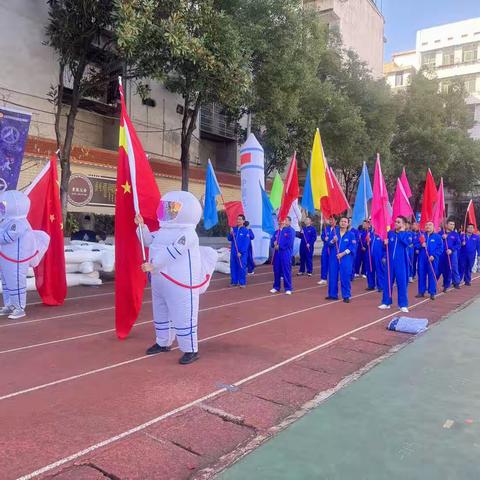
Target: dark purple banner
{"x":14,"y":127}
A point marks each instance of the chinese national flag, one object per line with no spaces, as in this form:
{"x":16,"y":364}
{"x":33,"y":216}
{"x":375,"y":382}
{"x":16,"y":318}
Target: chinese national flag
{"x":137,"y":192}
{"x":335,"y":202}
{"x":233,"y":210}
{"x":46,"y":214}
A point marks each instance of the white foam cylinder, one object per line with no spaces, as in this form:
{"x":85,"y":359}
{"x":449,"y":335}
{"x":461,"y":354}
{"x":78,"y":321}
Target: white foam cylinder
{"x":252,"y":172}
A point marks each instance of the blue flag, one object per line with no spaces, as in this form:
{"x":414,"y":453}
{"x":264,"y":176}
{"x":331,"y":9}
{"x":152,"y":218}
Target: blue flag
{"x":307,"y":197}
{"x":268,"y":212}
{"x":364,"y":194}
{"x":212,"y":189}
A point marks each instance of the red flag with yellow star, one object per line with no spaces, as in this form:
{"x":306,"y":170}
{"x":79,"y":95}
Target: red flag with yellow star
{"x":46,"y":214}
{"x":137,"y":192}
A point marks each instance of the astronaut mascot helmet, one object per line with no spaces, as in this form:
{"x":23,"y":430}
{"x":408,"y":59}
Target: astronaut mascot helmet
{"x":179,"y":210}
{"x":14,"y":205}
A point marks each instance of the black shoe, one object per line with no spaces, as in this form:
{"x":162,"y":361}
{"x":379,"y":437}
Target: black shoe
{"x":456,"y":287}
{"x":188,"y":357}
{"x":420,"y":295}
{"x":468,"y":284}
{"x":331,"y":298}
{"x":432,"y":297}
{"x":154,"y":349}
{"x":445,"y":290}
{"x":368,"y":289}
{"x":346,"y":300}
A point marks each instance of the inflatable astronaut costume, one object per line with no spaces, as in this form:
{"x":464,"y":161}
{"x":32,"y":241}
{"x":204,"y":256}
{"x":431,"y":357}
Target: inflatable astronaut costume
{"x":20,"y":248}
{"x":180,"y":271}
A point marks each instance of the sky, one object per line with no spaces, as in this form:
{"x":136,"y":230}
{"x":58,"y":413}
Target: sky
{"x":404,"y":17}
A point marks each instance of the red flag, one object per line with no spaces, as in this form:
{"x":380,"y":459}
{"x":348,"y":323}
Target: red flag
{"x":429,"y":199}
{"x":470,"y":217}
{"x":336,"y":202}
{"x":291,"y":190}
{"x":439,"y":209}
{"x":406,"y":185}
{"x":401,"y":205}
{"x":46,"y":215}
{"x":233,"y":210}
{"x":137,"y":192}
{"x":381,"y":216}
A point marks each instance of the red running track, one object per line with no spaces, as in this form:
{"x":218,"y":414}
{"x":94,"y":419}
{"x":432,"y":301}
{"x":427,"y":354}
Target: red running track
{"x":69,"y":388}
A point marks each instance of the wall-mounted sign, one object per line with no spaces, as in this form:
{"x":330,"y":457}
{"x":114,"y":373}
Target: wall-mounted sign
{"x":89,"y":190}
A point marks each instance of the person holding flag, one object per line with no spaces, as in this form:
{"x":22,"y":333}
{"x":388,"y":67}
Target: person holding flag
{"x":379,"y":261}
{"x":324,"y":258}
{"x":449,"y":258}
{"x":470,"y":247}
{"x":415,"y":235}
{"x":430,"y":246}
{"x":282,"y":244}
{"x":308,"y":237}
{"x":397,"y":243}
{"x":343,"y":245}
{"x":368,"y":238}
{"x":240,"y":239}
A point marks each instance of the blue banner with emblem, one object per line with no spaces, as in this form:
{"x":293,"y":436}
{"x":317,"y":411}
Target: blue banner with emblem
{"x":14,"y":126}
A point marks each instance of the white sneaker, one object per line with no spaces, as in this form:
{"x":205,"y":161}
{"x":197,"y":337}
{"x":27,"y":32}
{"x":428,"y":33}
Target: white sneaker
{"x":288,"y":292}
{"x":5,"y":311}
{"x":16,"y":314}
{"x":384,"y":307}
{"x":404,"y":309}
{"x":364,"y":276}
{"x":322,"y":282}
{"x":273,"y":291}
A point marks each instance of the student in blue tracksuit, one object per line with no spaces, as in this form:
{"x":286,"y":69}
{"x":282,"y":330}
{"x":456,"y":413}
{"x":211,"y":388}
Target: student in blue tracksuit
{"x":357,"y":254}
{"x":415,"y":235}
{"x":361,"y":255}
{"x":449,"y":259}
{"x":342,"y":244}
{"x":239,"y":239}
{"x":308,"y":237}
{"x":367,"y":240}
{"x":250,"y":262}
{"x":325,"y":250}
{"x":380,"y":261}
{"x":430,"y":246}
{"x":397,"y":243}
{"x":282,"y":244}
{"x":469,"y":249}
{"x":410,"y":253}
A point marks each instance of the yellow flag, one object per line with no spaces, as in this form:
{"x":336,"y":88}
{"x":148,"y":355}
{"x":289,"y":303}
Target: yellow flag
{"x":318,"y":178}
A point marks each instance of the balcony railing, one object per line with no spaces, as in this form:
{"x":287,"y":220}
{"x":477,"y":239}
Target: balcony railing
{"x":214,"y":122}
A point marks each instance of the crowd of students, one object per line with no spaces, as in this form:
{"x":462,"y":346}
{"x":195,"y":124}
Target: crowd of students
{"x":407,"y":253}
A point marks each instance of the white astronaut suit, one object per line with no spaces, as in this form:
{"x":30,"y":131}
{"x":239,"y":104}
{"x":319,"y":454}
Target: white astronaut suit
{"x":20,"y":248}
{"x":182,"y":271}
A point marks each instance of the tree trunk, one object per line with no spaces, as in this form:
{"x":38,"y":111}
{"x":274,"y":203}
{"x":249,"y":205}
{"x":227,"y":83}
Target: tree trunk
{"x":68,"y":141}
{"x":189,"y":122}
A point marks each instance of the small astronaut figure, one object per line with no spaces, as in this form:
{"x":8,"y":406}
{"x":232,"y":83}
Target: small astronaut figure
{"x":180,"y":271}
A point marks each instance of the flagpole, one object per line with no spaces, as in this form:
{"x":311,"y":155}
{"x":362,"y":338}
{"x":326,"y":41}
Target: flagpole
{"x":466,"y":214}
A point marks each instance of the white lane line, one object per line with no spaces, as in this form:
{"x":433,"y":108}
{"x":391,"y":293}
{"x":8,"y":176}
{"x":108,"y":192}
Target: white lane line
{"x":101,"y":332}
{"x":26,"y":322}
{"x":209,"y":396}
{"x":143,"y":357}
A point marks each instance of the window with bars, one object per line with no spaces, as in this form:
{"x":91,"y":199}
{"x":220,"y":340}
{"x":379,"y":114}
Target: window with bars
{"x":470,"y":53}
{"x":448,"y":57}
{"x":471,"y":84}
{"x":398,"y":79}
{"x":429,"y":59}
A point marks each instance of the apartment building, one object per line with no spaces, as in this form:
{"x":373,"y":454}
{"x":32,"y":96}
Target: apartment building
{"x":29,"y":70}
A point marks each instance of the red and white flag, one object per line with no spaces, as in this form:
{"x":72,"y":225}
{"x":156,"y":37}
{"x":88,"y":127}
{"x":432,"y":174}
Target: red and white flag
{"x":46,"y":214}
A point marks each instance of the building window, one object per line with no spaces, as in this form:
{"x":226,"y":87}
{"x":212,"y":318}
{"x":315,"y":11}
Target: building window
{"x":445,"y":87}
{"x":429,"y":59}
{"x":469,"y":53}
{"x":399,"y":79}
{"x":470,"y":84}
{"x":448,"y":57}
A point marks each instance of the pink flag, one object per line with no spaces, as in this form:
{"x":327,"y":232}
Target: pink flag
{"x":401,"y":205}
{"x":381,"y":216}
{"x":406,"y":185}
{"x":439,"y":209}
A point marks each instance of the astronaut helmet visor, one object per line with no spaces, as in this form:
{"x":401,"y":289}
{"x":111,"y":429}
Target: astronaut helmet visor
{"x":168,"y":211}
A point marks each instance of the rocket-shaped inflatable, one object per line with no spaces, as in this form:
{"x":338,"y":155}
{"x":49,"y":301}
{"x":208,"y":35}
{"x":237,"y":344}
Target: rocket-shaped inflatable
{"x":252,"y":173}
